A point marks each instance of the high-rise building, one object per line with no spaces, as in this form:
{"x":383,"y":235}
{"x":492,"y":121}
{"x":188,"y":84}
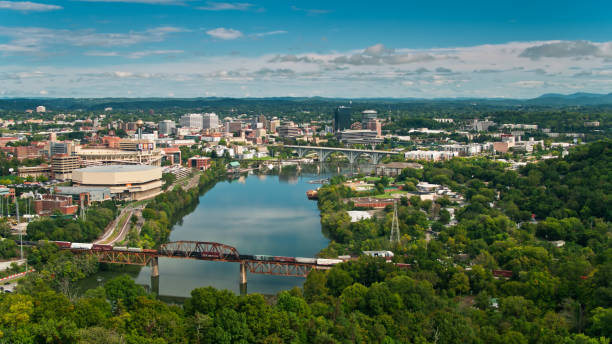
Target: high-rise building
{"x":262,"y":119}
{"x":62,"y":165}
{"x":191,"y":120}
{"x":274,"y":124}
{"x":210,"y":121}
{"x":166,"y":127}
{"x":61,"y":147}
{"x":342,"y":118}
{"x":289,"y":131}
{"x":367,"y":115}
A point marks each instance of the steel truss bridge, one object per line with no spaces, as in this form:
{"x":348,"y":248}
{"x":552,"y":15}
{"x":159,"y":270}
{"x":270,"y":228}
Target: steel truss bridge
{"x":351,"y":154}
{"x":210,"y":251}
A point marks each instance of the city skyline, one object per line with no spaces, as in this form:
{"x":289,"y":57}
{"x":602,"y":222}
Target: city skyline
{"x":169,"y":48}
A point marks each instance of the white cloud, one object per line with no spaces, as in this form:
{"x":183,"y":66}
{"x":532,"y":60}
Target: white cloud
{"x":36,"y":39}
{"x":149,"y":2}
{"x":269,"y":33}
{"x":528,"y":83}
{"x":43,"y":92}
{"x":27,"y":6}
{"x":225,"y":6}
{"x":134,"y":54}
{"x":492,"y":70}
{"x":225,"y":34}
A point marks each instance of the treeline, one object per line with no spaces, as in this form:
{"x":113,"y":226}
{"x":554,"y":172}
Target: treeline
{"x":167,"y":208}
{"x":74,"y":230}
{"x":364,"y":301}
{"x":567,"y":283}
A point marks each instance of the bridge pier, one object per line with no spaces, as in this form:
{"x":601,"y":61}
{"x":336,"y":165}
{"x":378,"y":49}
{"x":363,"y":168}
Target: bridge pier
{"x":155,"y":285}
{"x":243,"y":278}
{"x":155,"y":267}
{"x":243,"y":273}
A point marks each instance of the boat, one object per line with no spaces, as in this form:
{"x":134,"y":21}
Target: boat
{"x":312,"y":194}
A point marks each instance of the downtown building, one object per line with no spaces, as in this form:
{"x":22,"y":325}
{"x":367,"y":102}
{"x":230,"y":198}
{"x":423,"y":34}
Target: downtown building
{"x":191,"y":120}
{"x":210,"y":121}
{"x":166,"y":127}
{"x":342,"y":118}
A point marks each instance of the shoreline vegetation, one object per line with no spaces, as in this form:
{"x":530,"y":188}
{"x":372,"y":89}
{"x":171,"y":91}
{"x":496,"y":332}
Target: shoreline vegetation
{"x":558,"y":288}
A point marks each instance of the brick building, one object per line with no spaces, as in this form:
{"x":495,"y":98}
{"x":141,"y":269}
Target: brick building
{"x":50,"y":203}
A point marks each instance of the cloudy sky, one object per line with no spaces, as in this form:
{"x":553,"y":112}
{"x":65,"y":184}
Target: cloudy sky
{"x":198,"y":48}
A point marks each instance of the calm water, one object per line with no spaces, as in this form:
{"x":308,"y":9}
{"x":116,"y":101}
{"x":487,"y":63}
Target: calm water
{"x":257,"y":214}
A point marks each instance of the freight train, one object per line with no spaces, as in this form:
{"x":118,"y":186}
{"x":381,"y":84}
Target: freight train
{"x":75,"y":246}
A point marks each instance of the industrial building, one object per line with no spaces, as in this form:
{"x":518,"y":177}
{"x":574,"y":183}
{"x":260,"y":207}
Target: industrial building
{"x":126,"y":182}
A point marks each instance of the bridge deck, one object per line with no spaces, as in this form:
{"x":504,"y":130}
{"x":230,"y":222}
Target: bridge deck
{"x":341,"y":149}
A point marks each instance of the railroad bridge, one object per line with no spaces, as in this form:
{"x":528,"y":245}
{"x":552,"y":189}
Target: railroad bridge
{"x":211,"y":251}
{"x":351,"y":154}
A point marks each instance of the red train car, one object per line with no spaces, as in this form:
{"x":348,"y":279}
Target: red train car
{"x":102,"y":247}
{"x":63,"y":244}
{"x":502,"y":273}
{"x":402,"y":265}
{"x":283,"y":259}
{"x":146,"y":250}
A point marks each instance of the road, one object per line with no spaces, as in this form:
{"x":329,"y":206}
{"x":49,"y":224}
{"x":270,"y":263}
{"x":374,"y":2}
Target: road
{"x":110,"y":237}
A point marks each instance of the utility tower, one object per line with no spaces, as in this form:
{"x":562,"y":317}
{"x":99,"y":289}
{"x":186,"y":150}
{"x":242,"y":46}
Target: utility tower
{"x":395,"y":232}
{"x":83,"y":212}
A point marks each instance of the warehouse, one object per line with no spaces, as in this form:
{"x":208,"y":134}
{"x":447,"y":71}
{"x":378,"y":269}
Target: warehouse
{"x":126,"y":182}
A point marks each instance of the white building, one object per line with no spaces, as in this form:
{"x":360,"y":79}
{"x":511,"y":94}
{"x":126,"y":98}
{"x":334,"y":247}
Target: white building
{"x":430,"y":155}
{"x":41,"y":108}
{"x":166,"y":127}
{"x":191,"y":120}
{"x":210,"y":121}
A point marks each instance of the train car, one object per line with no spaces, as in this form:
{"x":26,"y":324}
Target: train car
{"x":80,"y":246}
{"x":384,"y":254}
{"x":403,"y":265}
{"x":210,"y":254}
{"x":262,"y":257}
{"x":146,"y":250}
{"x":102,"y":247}
{"x":305,"y":260}
{"x":134,"y":249}
{"x":283,"y":259}
{"x":62,"y":244}
{"x":247,"y":257}
{"x":322,"y":261}
{"x":120,"y":248}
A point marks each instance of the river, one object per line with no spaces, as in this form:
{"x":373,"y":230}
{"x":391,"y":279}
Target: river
{"x":257,"y":214}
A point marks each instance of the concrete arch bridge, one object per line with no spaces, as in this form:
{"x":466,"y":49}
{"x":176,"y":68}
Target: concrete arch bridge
{"x":351,"y":154}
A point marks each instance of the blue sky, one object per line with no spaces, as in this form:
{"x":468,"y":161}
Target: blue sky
{"x":188,"y":48}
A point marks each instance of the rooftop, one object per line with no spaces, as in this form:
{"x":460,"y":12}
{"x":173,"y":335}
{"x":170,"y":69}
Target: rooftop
{"x":118,"y":168}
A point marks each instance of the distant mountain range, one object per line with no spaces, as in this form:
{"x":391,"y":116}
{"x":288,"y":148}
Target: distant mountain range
{"x":96,"y":104}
